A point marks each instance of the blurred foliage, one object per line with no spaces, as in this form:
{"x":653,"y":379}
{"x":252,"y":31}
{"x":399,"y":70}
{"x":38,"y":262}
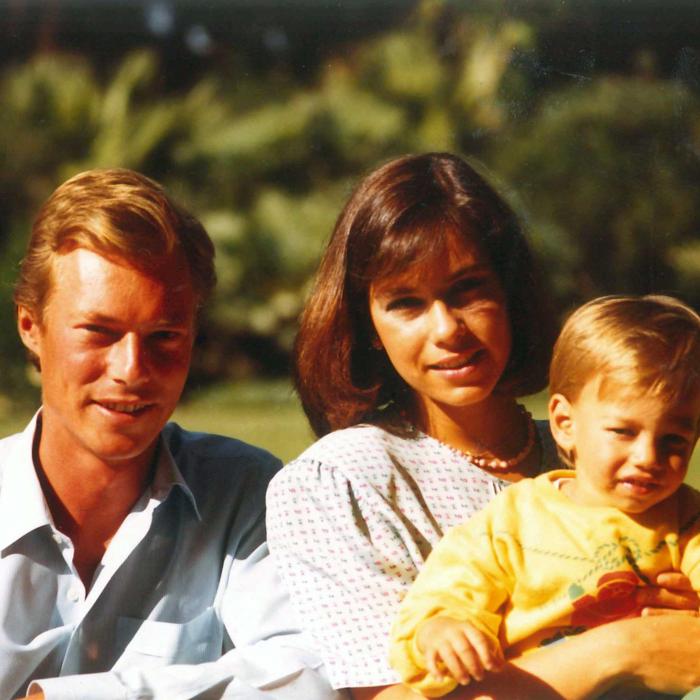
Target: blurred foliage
{"x":607,"y":172}
{"x":602,"y":166}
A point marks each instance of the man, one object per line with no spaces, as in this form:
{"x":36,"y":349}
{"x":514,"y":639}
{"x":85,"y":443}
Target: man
{"x":132,"y":552}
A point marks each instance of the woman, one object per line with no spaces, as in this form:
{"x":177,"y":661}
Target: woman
{"x":425,"y":325}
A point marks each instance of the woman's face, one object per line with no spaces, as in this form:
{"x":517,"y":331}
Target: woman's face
{"x":445,"y":328}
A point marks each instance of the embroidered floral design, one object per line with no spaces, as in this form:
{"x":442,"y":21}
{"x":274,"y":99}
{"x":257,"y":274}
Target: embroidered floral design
{"x":613,"y":599}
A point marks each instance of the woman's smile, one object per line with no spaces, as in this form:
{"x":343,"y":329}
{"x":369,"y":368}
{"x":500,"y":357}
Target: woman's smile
{"x":459,"y":363}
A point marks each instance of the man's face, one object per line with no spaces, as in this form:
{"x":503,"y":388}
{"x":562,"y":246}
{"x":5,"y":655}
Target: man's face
{"x":114,"y":345}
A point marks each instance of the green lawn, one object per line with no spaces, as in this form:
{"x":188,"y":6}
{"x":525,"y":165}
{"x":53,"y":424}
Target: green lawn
{"x":264,"y":413}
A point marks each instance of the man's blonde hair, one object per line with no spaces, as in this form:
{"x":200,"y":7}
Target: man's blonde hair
{"x":650,"y":343}
{"x":116,"y":213}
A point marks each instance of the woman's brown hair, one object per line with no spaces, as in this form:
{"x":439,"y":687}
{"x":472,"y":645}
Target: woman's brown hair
{"x":405,"y":213}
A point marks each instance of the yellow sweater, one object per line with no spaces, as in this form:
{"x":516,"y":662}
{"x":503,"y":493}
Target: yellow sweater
{"x":534,"y":567}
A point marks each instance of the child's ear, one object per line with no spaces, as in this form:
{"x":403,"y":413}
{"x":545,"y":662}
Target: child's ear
{"x":561,"y":422}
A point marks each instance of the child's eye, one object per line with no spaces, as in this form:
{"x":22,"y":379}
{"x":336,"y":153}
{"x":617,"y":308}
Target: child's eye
{"x":676,"y":442}
{"x":624,"y":432}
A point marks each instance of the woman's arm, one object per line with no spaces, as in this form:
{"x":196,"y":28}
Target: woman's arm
{"x":657,"y":653}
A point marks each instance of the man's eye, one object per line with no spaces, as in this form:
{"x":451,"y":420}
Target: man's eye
{"x":165,"y":336}
{"x":96,"y":329}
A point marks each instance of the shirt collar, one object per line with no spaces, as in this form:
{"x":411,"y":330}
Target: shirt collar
{"x":23,"y":507}
{"x":167,"y":475}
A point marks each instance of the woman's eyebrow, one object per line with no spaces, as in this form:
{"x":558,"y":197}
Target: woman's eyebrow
{"x":475,"y":268}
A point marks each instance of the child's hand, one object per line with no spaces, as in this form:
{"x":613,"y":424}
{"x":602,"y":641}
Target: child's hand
{"x":458,"y":647}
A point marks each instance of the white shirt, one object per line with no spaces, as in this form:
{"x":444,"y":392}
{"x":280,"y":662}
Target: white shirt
{"x":185,"y":579}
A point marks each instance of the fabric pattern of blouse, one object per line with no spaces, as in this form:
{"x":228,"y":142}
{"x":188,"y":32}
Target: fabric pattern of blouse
{"x":351,"y":521}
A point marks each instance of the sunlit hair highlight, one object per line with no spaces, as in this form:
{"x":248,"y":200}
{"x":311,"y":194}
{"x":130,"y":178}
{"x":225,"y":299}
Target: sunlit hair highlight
{"x":649,"y":344}
{"x":406,"y":214}
{"x":120,"y":214}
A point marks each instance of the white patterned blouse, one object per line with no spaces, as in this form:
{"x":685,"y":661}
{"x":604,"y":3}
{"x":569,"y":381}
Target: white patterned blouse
{"x":351,"y":521}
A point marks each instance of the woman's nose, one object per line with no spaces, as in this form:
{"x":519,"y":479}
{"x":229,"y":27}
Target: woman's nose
{"x":446,"y":323}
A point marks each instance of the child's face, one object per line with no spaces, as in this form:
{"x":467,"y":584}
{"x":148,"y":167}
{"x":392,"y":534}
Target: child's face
{"x":630,"y":450}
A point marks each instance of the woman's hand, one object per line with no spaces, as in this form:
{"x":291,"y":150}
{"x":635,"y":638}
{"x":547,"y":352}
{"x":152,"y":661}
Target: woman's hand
{"x":672,"y":594}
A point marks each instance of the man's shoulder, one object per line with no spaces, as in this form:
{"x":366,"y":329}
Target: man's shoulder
{"x":8,"y":443}
{"x":201,"y":454}
{"x":9,"y":446}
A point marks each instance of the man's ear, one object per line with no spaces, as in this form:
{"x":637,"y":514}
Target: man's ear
{"x":561,"y":422}
{"x":29,"y":330}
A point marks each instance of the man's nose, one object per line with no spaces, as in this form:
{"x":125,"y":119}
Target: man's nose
{"x":128,"y":360}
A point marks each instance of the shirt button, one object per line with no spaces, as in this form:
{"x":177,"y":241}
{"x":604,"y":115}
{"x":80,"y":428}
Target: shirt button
{"x":73,"y":595}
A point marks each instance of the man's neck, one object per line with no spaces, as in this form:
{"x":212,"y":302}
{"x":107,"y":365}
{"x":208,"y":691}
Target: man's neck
{"x":89,"y":498}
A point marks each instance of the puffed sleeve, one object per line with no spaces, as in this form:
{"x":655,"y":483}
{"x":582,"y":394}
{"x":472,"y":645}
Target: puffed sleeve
{"x":348,"y":544}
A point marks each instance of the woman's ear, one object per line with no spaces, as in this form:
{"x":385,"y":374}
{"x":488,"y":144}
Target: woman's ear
{"x":29,"y":330}
{"x":561,"y":422}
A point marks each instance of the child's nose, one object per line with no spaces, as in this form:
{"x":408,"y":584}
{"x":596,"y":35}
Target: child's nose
{"x":645,"y":454}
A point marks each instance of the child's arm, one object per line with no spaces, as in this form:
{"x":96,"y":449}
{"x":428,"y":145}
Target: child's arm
{"x":461,"y":649}
{"x":452,"y":585}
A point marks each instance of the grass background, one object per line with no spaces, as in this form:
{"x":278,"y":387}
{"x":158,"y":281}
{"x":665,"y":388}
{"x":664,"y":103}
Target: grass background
{"x":264,"y":413}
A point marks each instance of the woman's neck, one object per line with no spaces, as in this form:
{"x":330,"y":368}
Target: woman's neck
{"x":496,"y":427}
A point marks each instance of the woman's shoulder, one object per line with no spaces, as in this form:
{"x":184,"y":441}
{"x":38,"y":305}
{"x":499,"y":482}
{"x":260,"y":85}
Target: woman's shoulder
{"x":364,"y":453}
{"x":352,"y":449}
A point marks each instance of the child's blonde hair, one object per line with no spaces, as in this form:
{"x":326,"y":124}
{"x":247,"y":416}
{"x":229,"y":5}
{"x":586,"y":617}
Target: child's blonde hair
{"x":650,"y":342}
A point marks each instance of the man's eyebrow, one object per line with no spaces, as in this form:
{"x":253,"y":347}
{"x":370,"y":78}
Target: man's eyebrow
{"x":178,"y":319}
{"x":97,"y":317}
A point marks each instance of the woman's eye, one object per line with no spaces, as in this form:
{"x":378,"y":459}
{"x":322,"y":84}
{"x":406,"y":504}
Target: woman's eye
{"x":466,"y":287}
{"x":403,"y":303}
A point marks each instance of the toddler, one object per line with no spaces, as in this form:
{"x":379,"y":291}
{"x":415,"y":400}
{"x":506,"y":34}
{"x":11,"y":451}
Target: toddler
{"x":552,"y":556}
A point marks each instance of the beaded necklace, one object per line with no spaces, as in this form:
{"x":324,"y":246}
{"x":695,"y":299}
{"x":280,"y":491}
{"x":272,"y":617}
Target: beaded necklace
{"x":505,"y":464}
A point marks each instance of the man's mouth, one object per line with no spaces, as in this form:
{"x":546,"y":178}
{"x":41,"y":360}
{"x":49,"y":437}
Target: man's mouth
{"x":121,"y":407}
